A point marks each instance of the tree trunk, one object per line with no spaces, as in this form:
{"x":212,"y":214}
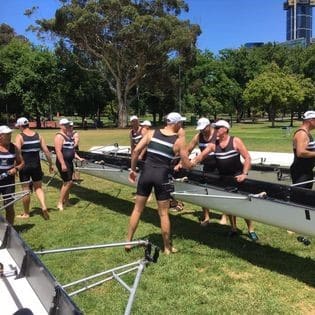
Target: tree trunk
{"x":122,"y":107}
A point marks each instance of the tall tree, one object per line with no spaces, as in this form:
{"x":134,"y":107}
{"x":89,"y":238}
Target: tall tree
{"x":123,"y":38}
{"x":274,"y":90}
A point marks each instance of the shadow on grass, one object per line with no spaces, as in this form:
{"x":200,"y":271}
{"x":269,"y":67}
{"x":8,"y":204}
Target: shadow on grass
{"x":214,"y":236}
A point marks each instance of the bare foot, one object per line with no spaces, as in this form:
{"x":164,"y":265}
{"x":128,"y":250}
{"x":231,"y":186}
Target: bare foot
{"x":60,"y":207}
{"x":23,"y":216}
{"x":169,"y":251}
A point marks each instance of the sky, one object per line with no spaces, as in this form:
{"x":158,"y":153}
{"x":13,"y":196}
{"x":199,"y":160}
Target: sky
{"x":224,"y":23}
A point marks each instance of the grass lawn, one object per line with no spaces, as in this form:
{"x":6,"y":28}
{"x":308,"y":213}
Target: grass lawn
{"x":211,"y":274}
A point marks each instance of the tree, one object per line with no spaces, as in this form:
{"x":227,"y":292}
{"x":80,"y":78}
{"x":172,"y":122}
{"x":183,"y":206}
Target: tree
{"x":273,"y":90}
{"x":123,"y":38}
{"x":28,"y":82}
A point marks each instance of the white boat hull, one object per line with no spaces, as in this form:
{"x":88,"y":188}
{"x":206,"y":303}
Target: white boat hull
{"x":277,"y":213}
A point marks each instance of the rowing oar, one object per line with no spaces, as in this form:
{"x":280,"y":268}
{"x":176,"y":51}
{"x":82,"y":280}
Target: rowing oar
{"x":302,"y":183}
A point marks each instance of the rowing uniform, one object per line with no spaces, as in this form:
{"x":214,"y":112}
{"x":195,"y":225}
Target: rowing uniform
{"x":302,"y":168}
{"x":209,"y":163}
{"x":68,"y":153}
{"x":136,"y":136}
{"x":7,"y":160}
{"x":157,"y":166}
{"x":30,"y":153}
{"x":228,"y":160}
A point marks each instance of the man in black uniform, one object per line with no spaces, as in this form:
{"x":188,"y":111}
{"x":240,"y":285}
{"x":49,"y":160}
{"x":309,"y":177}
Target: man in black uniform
{"x":30,"y":143}
{"x":304,"y":152}
{"x":65,"y":153}
{"x":163,"y":145}
{"x":11,"y":162}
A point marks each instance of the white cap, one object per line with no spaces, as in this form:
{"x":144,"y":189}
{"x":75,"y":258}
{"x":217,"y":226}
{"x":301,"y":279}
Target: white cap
{"x":5,"y":129}
{"x":146,"y":123}
{"x":22,"y":122}
{"x":64,"y":121}
{"x":221,"y":123}
{"x":174,"y":118}
{"x":133,"y":117}
{"x":310,"y":114}
{"x":202,"y":123}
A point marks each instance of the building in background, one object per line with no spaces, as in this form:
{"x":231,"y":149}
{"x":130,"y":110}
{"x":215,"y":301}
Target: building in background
{"x":299,"y":19}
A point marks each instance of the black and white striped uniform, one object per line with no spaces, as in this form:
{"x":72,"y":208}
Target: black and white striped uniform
{"x":30,"y":153}
{"x":228,"y":159}
{"x":7,"y":161}
{"x":209,"y":163}
{"x":68,"y":153}
{"x":157,"y":166}
{"x":136,"y":136}
{"x":302,"y":168}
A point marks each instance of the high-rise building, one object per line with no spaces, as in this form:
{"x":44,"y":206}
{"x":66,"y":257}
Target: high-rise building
{"x":299,"y":19}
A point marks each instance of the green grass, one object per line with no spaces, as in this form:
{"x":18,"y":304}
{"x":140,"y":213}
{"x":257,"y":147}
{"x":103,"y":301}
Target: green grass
{"x":211,"y":274}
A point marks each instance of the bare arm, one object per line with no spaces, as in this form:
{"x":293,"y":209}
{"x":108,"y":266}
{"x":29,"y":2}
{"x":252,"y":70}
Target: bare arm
{"x":301,"y":141}
{"x":18,"y":141}
{"x":240,"y":147}
{"x":19,"y":162}
{"x":135,"y":155}
{"x":58,"y":149}
{"x":208,"y":149}
{"x":181,"y":149}
{"x":46,"y":152}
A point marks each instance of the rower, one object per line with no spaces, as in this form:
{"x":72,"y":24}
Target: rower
{"x":11,"y":162}
{"x":30,"y":143}
{"x":163,"y":145}
{"x":65,"y":153}
{"x":228,"y":152}
{"x":205,"y":139}
{"x":304,"y":152}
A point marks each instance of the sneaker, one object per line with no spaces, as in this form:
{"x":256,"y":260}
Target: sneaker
{"x":253,"y":236}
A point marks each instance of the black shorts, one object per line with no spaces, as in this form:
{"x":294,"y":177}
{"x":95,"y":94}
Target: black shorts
{"x":9,"y":190}
{"x":31,"y":172}
{"x":66,"y":176}
{"x":157,"y":177}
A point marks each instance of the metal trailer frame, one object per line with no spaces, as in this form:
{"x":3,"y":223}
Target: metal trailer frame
{"x":16,"y":196}
{"x":113,"y":273}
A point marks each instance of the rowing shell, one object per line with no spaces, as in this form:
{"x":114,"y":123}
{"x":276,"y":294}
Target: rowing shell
{"x":25,"y":283}
{"x":289,"y":207}
{"x":283,"y":206}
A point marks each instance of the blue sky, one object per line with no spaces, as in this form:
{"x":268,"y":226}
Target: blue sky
{"x":224,"y":23}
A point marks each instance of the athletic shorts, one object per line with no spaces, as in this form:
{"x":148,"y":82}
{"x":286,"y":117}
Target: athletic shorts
{"x":31,"y":172}
{"x":9,"y":190}
{"x":66,"y":176}
{"x":157,"y":178}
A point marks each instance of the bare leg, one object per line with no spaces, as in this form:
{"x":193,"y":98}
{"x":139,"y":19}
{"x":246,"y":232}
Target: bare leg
{"x":41,"y":197}
{"x":206,"y":217}
{"x":233,"y":222}
{"x":26,"y":203}
{"x":9,"y":214}
{"x":250,"y":225}
{"x":135,"y":217}
{"x":223,"y":220}
{"x":65,"y":189}
{"x":163,"y":207}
